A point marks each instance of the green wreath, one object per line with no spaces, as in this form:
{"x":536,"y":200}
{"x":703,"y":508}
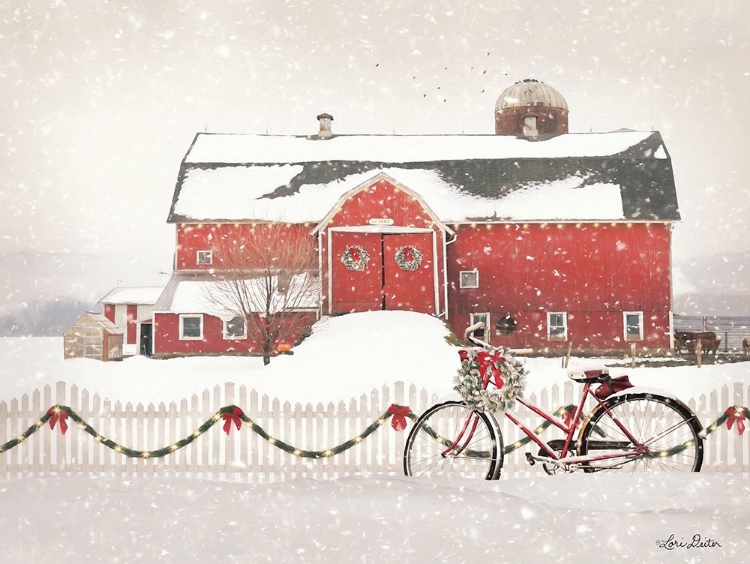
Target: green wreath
{"x":408,"y":258}
{"x":355,"y":257}
{"x":506,"y":375}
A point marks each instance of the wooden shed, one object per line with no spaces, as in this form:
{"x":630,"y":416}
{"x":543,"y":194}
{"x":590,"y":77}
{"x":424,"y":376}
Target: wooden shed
{"x":93,"y":336}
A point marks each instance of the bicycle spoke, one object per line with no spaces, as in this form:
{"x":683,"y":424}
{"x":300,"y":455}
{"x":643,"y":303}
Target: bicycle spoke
{"x":657,"y":423}
{"x":428,"y":451}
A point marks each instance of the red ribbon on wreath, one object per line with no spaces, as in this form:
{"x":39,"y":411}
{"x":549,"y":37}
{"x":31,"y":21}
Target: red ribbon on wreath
{"x":736,"y":415}
{"x":354,"y":253}
{"x":488,"y":367}
{"x":58,"y":415}
{"x":399,"y":415}
{"x":232,"y":417}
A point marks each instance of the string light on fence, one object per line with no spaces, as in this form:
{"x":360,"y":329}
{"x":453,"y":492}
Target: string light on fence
{"x":734,"y":416}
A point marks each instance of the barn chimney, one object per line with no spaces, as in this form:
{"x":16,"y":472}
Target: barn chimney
{"x":325,"y":126}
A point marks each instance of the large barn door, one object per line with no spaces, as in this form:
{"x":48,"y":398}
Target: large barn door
{"x":356,"y":276}
{"x":409,"y":281}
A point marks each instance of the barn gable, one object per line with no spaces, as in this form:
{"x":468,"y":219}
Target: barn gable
{"x":382,"y":201}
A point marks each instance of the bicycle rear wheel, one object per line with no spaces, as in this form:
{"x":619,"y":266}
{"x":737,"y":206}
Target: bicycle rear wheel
{"x":664,"y":425}
{"x":476,"y":455}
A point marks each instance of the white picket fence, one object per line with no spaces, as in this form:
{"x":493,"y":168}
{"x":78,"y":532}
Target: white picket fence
{"x":245,"y":456}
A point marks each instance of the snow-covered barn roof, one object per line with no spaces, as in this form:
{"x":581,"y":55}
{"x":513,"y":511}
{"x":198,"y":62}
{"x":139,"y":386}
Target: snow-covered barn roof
{"x":133,"y":295}
{"x":90,"y":319}
{"x":623,"y":175}
{"x":196,"y":292}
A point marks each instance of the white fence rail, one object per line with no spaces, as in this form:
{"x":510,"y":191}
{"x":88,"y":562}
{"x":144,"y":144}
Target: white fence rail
{"x":245,"y":456}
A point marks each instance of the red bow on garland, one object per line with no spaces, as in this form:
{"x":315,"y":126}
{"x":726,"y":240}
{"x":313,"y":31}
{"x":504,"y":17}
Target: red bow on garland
{"x":58,"y":415}
{"x":464,"y":354}
{"x":487,"y":360}
{"x":232,"y":417}
{"x":567,"y":417}
{"x":737,"y":415}
{"x":354,"y":253}
{"x":398,"y":421}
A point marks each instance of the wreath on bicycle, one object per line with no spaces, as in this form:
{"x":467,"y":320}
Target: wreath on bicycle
{"x":479,"y":369}
{"x":355,"y":258}
{"x":408,"y":258}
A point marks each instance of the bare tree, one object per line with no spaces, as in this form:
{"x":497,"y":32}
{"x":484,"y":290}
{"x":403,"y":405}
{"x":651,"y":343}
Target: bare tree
{"x":267,"y":276}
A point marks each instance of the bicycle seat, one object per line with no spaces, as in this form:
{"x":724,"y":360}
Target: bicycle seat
{"x":589,"y":376}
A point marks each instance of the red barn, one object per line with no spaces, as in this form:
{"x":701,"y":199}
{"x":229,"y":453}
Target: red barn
{"x":549,"y":237}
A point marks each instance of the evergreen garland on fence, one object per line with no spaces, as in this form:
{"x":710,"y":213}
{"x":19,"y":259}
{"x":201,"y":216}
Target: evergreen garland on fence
{"x":233,"y":415}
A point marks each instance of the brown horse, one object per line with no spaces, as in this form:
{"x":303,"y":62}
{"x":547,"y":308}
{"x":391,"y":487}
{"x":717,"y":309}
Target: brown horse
{"x":746,"y":346}
{"x":689,"y":340}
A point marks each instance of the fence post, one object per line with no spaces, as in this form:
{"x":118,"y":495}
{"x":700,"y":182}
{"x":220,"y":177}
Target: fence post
{"x":63,"y":457}
{"x":698,"y":352}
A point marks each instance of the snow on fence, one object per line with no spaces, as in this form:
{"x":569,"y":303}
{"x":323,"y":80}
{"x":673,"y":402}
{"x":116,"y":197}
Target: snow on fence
{"x":245,"y":456}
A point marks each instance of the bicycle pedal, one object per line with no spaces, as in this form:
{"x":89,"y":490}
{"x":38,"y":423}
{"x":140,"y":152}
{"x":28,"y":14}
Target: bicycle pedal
{"x":530,"y":459}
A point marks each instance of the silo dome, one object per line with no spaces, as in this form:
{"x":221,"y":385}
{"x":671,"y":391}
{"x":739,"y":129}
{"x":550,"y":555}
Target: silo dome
{"x":531,"y":109}
{"x":530,"y":92}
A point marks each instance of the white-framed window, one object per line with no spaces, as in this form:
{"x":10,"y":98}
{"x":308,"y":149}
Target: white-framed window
{"x":469,"y":279}
{"x":557,"y":326}
{"x":481,"y":334}
{"x":633,"y":325}
{"x":235,"y":328}
{"x":191,"y":326}
{"x":204,"y":257}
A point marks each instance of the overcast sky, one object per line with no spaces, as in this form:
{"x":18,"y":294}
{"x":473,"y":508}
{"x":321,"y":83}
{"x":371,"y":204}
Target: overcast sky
{"x":101,"y":100}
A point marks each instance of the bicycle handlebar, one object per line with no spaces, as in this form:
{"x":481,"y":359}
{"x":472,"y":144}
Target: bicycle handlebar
{"x":469,"y":336}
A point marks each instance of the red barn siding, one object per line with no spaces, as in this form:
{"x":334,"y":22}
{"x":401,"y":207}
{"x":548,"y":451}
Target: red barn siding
{"x":132,"y":321}
{"x":168,"y":343}
{"x":194,"y":237}
{"x":109,"y":312}
{"x":593,"y":273}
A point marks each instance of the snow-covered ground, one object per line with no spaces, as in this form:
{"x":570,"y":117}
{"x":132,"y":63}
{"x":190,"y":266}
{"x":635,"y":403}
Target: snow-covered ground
{"x":580,"y":518}
{"x":577,"y":518}
{"x":345,"y":357}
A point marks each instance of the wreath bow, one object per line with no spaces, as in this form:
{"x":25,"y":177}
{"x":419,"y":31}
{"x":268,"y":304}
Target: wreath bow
{"x":488,"y":367}
{"x":232,"y":417}
{"x":399,"y":415}
{"x":58,"y":415}
{"x":737,"y":415}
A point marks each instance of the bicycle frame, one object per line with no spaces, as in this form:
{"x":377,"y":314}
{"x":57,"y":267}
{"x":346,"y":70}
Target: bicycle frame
{"x":569,"y":430}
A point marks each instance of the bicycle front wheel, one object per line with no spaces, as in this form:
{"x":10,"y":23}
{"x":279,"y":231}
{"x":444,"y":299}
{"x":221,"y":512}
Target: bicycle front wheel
{"x":665,"y":426}
{"x":435,"y":446}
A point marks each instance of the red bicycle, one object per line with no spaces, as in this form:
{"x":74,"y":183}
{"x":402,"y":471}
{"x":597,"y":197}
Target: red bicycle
{"x":635,"y":429}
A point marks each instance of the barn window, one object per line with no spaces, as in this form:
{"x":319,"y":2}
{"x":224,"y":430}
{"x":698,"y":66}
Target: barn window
{"x":235,"y":328}
{"x":205,"y":257}
{"x":633,"y":321}
{"x":191,"y":327}
{"x":481,"y":334}
{"x":469,"y":279}
{"x":557,"y":326}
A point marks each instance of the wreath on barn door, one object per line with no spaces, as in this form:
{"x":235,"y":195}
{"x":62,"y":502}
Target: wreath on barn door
{"x":355,"y":257}
{"x":408,"y":258}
